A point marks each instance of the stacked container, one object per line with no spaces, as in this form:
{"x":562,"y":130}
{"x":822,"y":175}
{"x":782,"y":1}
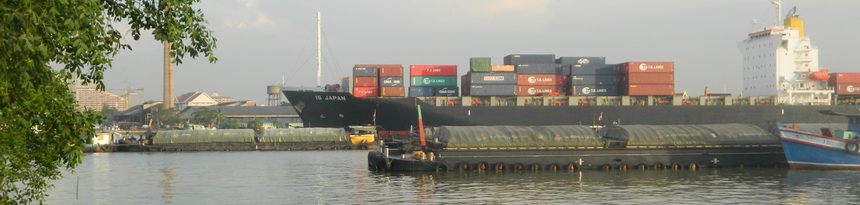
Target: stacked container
{"x":433,"y":80}
{"x":375,"y":80}
{"x":365,"y":81}
{"x":589,"y":76}
{"x":647,"y":78}
{"x":491,"y":84}
{"x":846,"y":84}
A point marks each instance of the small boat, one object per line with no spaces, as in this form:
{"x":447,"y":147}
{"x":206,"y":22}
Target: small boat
{"x":829,"y":149}
{"x":362,"y":135}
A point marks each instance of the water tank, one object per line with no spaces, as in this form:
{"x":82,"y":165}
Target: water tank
{"x":273,"y":90}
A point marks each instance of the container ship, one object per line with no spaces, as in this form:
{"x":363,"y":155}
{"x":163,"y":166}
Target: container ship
{"x":542,"y":89}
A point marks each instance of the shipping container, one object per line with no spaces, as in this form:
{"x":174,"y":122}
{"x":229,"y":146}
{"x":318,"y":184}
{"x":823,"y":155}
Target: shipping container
{"x":365,"y":82}
{"x":594,"y":90}
{"x":538,"y":90}
{"x":364,"y":92}
{"x":609,"y":69}
{"x":379,"y":65}
{"x":647,"y":67}
{"x":516,"y":59}
{"x":582,"y":62}
{"x":465,"y":82}
{"x":365,"y":71}
{"x":391,"y":71}
{"x":502,"y":68}
{"x":446,"y":91}
{"x":649,"y":90}
{"x":392,"y":92}
{"x":594,"y":79}
{"x":539,"y":79}
{"x":480,"y":65}
{"x":491,"y":78}
{"x":849,"y":89}
{"x":538,"y":69}
{"x":844,"y":78}
{"x":493,"y":90}
{"x":648,"y":78}
{"x":416,"y":91}
{"x":434,"y":81}
{"x":432,"y":70}
{"x":390,"y":81}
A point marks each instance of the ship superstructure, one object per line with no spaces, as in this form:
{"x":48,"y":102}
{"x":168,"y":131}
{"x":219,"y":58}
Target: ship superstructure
{"x":781,"y":61}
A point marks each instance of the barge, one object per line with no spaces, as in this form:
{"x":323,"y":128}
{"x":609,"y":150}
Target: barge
{"x":574,"y":147}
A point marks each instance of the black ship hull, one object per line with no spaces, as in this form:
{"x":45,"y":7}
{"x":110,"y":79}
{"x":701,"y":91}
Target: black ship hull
{"x":332,"y":109}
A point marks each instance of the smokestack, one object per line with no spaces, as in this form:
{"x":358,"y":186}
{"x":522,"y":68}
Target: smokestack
{"x":168,"y":77}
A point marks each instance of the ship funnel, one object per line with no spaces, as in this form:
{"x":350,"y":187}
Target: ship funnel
{"x":820,"y":75}
{"x":793,"y":21}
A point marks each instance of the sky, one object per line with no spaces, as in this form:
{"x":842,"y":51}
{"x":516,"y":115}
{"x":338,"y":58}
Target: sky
{"x":263,"y":43}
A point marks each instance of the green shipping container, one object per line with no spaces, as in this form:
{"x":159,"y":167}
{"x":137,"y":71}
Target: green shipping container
{"x":480,"y":65}
{"x":434,"y":81}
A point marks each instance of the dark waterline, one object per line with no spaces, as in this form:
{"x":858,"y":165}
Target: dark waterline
{"x":341,"y":177}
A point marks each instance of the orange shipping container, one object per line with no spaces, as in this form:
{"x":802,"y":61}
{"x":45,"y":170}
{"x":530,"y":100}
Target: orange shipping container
{"x":365,"y":82}
{"x":502,"y":68}
{"x":392,"y":92}
{"x":393,"y":71}
{"x":537,"y":90}
{"x":650,"y":78}
{"x":647,"y":67}
{"x":365,"y":92}
{"x":539,"y":79}
{"x":844,"y":78}
{"x":651,"y":90}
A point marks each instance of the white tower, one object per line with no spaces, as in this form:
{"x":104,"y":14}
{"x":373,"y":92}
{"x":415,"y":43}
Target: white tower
{"x":781,"y":61}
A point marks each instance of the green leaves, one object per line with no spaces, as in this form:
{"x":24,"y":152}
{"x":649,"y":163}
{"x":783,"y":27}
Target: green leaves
{"x":42,"y":132}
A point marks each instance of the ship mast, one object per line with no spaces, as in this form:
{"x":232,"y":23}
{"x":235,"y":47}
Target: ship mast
{"x":319,"y":50}
{"x":778,"y":4}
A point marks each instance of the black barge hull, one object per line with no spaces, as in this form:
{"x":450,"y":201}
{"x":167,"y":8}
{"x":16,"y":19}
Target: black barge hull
{"x":574,"y":159}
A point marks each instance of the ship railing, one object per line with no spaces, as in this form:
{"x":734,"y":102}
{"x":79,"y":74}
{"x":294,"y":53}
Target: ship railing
{"x":621,"y":100}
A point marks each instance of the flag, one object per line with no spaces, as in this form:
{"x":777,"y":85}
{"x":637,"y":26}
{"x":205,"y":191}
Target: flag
{"x":374,"y":116}
{"x":600,"y":118}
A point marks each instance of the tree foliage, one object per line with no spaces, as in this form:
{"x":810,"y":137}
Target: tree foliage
{"x":206,"y":116}
{"x":42,"y":132}
{"x":169,"y":117}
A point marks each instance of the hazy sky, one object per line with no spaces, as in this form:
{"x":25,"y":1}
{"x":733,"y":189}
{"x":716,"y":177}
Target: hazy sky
{"x":261,"y":42}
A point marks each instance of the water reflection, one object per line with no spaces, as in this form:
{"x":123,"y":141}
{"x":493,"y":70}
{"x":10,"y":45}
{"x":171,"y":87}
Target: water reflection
{"x":167,"y":184}
{"x":341,"y":177}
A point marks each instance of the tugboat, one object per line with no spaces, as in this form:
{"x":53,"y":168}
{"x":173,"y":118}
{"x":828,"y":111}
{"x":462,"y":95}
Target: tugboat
{"x":829,"y":149}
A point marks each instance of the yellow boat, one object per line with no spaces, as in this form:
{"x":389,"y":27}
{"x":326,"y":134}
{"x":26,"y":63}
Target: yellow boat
{"x":362,"y":135}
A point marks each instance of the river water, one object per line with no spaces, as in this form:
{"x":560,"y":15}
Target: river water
{"x":341,"y":177}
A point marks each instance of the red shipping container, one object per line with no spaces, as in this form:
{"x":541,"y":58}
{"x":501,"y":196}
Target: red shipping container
{"x":391,"y":71}
{"x":848,"y":89}
{"x":650,"y":78}
{"x":539,"y":79}
{"x":647,"y":67}
{"x":537,"y":90}
{"x":392,"y":92}
{"x":651,"y":90}
{"x":432,"y":70}
{"x":364,"y":92}
{"x":365,"y":82}
{"x":844,"y":78}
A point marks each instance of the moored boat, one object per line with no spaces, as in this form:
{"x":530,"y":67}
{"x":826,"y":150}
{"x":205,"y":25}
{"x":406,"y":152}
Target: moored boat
{"x":827,"y":149}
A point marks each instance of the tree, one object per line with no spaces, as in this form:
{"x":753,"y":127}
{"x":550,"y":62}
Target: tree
{"x":168,"y":117}
{"x":42,"y":131}
{"x":232,"y":124}
{"x":203,"y":116}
